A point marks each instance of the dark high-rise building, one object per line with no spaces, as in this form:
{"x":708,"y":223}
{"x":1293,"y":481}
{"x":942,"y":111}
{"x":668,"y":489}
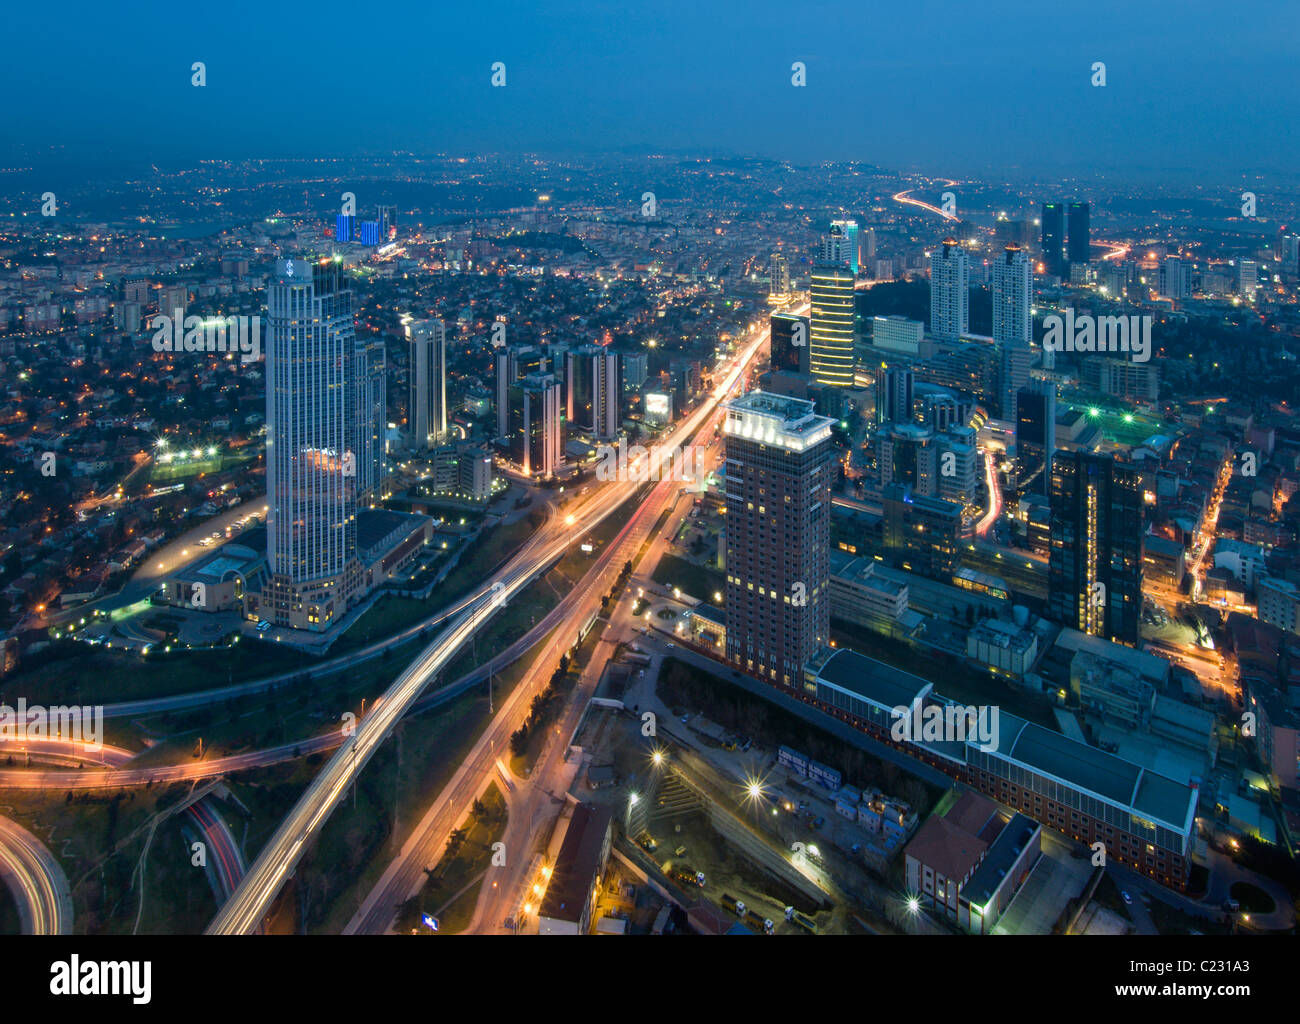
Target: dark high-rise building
{"x":1054,"y":238}
{"x":1079,"y":247}
{"x":778,"y":478}
{"x":535,"y":441}
{"x":949,"y":291}
{"x":1095,"y":577}
{"x":591,"y":375}
{"x":372,"y":424}
{"x":895,"y":393}
{"x":1013,"y":292}
{"x":1035,"y":437}
{"x":920,"y":532}
{"x":790,"y":342}
{"x":513,"y":363}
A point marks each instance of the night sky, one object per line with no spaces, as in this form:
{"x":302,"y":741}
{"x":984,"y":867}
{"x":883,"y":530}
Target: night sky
{"x":946,"y":87}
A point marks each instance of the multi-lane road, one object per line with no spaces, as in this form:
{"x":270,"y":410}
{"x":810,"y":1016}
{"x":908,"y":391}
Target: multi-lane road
{"x":39,"y":886}
{"x":252,"y":899}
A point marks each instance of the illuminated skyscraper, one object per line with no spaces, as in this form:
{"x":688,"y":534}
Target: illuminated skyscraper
{"x":779,"y":471}
{"x":831,"y":356}
{"x":949,"y":291}
{"x":427,"y":409}
{"x":778,"y":270}
{"x":1012,"y":294}
{"x":314,"y":378}
{"x":845,"y":245}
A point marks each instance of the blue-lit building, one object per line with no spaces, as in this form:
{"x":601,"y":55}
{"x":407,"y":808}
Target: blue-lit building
{"x":344,"y":227}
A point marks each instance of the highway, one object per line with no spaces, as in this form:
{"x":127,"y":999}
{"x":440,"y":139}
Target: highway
{"x":227,"y":866}
{"x":246,"y":908}
{"x":904,"y":197}
{"x":405,"y":875}
{"x":39,"y":886}
{"x":990,"y":517}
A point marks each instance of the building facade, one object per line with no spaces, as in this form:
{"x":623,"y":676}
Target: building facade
{"x":778,"y":480}
{"x":1095,"y":565}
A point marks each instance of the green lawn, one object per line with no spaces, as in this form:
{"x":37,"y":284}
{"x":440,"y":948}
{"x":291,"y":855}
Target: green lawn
{"x":698,"y":581}
{"x":451,"y":890}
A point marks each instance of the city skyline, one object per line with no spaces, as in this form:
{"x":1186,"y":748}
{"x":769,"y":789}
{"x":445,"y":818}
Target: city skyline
{"x":592,"y":471}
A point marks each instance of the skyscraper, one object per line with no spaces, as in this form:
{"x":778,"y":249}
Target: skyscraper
{"x":790,"y":342}
{"x":1175,"y":278}
{"x":634,"y":368}
{"x":311,"y":428}
{"x":1035,"y":437}
{"x":593,"y":394}
{"x":1247,"y":279}
{"x":907,"y":453}
{"x":1012,"y":294}
{"x":1079,"y":248}
{"x":848,"y":251}
{"x":949,"y":291}
{"x":513,"y":363}
{"x":778,"y":268}
{"x":1095,"y":569}
{"x":535,"y":440}
{"x":832,"y":325}
{"x":895,"y":393}
{"x":839,"y":246}
{"x":427,"y":411}
{"x":1054,"y":239}
{"x":778,"y":479}
{"x":372,"y":422}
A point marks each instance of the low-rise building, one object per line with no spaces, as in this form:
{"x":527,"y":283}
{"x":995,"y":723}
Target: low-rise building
{"x":1003,"y":647}
{"x":575,"y":879}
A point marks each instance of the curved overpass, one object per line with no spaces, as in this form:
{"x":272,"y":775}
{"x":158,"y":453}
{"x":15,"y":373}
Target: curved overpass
{"x":36,"y":880}
{"x":248,"y":905}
